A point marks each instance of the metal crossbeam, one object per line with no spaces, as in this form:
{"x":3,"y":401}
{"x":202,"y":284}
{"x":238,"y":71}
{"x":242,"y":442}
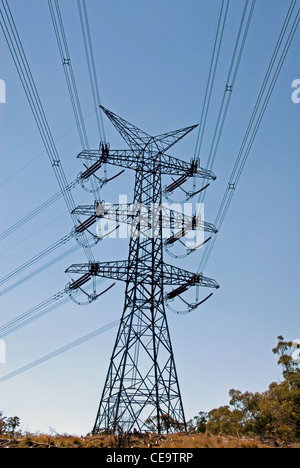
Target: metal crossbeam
{"x":148,"y":217}
{"x":131,"y":159}
{"x":118,"y":270}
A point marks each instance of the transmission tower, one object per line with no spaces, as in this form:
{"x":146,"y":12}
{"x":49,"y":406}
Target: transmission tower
{"x":141,"y":390}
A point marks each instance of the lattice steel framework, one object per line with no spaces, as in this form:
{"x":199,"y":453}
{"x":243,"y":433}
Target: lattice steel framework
{"x":141,"y":390}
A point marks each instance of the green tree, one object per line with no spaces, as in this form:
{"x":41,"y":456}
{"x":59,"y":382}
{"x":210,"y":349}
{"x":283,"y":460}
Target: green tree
{"x":223,"y":420}
{"x":280,"y":405}
{"x":275,"y":412}
{"x":248,"y":404}
{"x":279,"y":410}
{"x":198,"y":423}
{"x":11,"y":424}
{"x":285,"y":350}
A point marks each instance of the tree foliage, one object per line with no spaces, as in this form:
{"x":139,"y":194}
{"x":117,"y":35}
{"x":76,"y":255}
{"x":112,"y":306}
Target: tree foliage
{"x":167,"y":424}
{"x":198,"y":423}
{"x":9,"y":425}
{"x":275,"y":412}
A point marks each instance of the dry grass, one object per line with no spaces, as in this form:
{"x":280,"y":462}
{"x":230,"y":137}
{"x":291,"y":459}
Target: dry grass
{"x":149,"y":440}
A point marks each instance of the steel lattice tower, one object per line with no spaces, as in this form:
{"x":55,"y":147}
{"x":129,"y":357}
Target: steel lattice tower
{"x":141,"y":388}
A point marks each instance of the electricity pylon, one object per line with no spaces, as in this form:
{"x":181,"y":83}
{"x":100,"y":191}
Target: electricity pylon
{"x":141,"y":390}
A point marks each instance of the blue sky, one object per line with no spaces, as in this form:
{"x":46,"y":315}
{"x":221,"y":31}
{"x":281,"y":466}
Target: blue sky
{"x":152,"y":61}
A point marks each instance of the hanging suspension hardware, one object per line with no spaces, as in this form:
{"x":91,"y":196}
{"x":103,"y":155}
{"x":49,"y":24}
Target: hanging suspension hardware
{"x":184,"y":287}
{"x":189,"y":173}
{"x":86,"y":224}
{"x":92,"y":273}
{"x":192,"y":226}
{"x":94,"y":268}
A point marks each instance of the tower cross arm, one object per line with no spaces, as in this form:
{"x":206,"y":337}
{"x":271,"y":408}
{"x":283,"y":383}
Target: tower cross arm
{"x":118,"y":270}
{"x":136,"y":159}
{"x":126,"y":211}
{"x":113,"y":270}
{"x":174,"y":276}
{"x":170,"y":165}
{"x":127,"y":158}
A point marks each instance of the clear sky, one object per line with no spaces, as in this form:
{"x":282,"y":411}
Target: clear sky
{"x":152,"y":60}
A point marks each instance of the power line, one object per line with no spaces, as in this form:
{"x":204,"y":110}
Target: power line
{"x":24,"y":239}
{"x":48,"y":305}
{"x":65,"y":57}
{"x":37,"y":257}
{"x":68,"y":70}
{"x":229,"y":87}
{"x":212,"y":73}
{"x":32,"y":214}
{"x":15,"y":46}
{"x":59,"y":351}
{"x":254,"y":123}
{"x":230,"y":81}
{"x":42,"y":152}
{"x":19,"y":58}
{"x":33,"y":313}
{"x":39,"y":270}
{"x":85,"y":28}
{"x":70,"y":78}
{"x":73,"y":234}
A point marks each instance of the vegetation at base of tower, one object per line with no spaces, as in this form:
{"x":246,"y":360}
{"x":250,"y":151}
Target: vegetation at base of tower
{"x":250,"y":420}
{"x":167,"y":424}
